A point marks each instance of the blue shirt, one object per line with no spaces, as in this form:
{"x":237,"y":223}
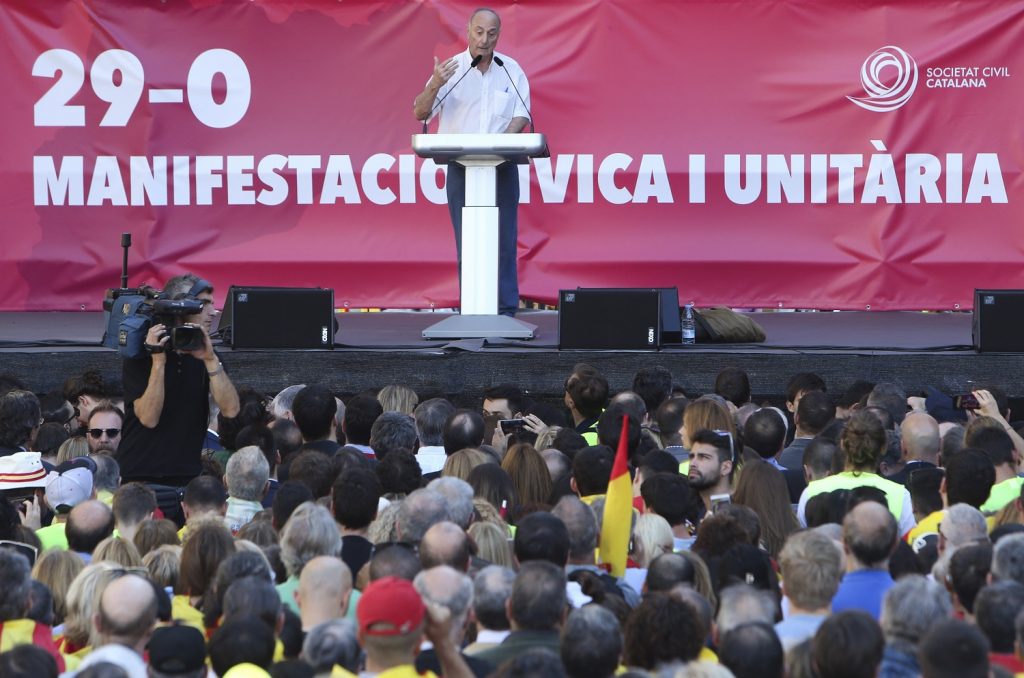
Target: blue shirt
{"x":862,"y":590}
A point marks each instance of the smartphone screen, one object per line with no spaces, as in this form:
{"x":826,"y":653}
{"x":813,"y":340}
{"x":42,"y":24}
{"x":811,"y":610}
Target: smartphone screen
{"x":719,"y":500}
{"x":509,"y":426}
{"x":966,"y":401}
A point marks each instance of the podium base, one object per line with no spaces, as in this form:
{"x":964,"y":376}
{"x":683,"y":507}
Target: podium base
{"x":480,"y":327}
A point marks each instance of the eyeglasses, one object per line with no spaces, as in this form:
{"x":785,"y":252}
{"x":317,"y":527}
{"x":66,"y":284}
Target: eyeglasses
{"x":97,"y":433}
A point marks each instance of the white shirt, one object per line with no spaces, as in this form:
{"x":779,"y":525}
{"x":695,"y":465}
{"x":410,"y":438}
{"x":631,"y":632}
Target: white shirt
{"x":483,"y":103}
{"x":118,"y":655}
{"x":431,"y":458}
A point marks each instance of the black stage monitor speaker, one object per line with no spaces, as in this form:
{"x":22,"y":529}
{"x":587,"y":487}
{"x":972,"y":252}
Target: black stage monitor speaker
{"x":621,"y":318}
{"x":998,"y":317}
{"x":278,"y":317}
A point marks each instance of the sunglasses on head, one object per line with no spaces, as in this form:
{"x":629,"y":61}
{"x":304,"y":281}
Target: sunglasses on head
{"x":728,"y":435}
{"x":98,"y":432}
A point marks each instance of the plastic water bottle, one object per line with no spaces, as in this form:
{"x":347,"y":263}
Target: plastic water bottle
{"x":688,"y":325}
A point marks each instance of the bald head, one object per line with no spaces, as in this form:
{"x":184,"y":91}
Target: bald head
{"x":127,"y":612}
{"x":325,"y":586}
{"x":89,"y":523}
{"x":448,"y":588}
{"x":919,"y":434}
{"x":869,"y":535}
{"x":445,"y":544}
{"x":581,"y":523}
{"x":485,"y":14}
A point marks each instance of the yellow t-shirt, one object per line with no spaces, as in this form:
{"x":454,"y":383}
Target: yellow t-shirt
{"x":182,"y":610}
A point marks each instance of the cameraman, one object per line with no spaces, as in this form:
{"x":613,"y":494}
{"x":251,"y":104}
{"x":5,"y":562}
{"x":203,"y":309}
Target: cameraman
{"x":166,"y":396}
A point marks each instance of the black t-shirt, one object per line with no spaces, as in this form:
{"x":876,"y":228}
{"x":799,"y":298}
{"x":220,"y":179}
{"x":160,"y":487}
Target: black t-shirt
{"x":171,"y":452}
{"x":356,"y":552}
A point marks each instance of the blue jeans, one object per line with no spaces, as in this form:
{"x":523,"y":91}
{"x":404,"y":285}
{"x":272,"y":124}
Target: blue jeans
{"x":507,"y":197}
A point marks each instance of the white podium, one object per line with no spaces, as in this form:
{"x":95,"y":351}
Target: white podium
{"x":480,"y":154}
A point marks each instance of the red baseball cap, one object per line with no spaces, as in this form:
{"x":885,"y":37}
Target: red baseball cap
{"x":390,"y":607}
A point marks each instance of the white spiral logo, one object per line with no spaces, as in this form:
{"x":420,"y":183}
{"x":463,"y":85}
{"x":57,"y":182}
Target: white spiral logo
{"x":881,"y":97}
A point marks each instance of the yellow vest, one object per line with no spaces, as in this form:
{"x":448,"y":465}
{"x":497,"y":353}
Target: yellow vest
{"x":849,"y":480}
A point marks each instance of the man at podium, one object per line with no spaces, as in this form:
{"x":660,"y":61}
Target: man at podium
{"x":473,"y":95}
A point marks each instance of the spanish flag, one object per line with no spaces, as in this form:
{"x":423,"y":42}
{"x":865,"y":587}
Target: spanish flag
{"x":618,"y":509}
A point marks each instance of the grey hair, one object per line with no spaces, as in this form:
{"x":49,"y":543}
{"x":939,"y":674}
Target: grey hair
{"x":332,"y":642}
{"x":339,"y":416}
{"x":15,"y":573}
{"x":393,"y":431}
{"x":282,"y":402}
{"x":1008,"y":558}
{"x":581,"y":523}
{"x":419,"y":511}
{"x":952,"y":442}
{"x":247,"y":474}
{"x":458,"y":601}
{"x":591,"y":640}
{"x":911,"y":607}
{"x":108,"y":473}
{"x":459,"y":495}
{"x":963,"y":524}
{"x":491,"y":589}
{"x":431,"y":416}
{"x":741,"y":604}
{"x":309,"y":532}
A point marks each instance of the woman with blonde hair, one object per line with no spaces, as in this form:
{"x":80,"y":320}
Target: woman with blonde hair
{"x":164,"y":565}
{"x":119,"y":551}
{"x":76,"y":446}
{"x":492,"y":543}
{"x":398,"y":398}
{"x":546,"y":438}
{"x":529,"y":474}
{"x":702,"y":583}
{"x":82,"y":604}
{"x":652,"y":536}
{"x":462,"y":463}
{"x":486,"y":513}
{"x":57,"y":568}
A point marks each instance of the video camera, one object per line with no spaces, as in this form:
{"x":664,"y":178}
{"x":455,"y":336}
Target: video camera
{"x":131,"y":311}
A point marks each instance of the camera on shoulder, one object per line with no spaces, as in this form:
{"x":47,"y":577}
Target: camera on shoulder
{"x":132,"y":311}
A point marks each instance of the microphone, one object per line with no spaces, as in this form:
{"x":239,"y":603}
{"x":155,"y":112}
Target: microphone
{"x":498,"y":60}
{"x":472,"y":64}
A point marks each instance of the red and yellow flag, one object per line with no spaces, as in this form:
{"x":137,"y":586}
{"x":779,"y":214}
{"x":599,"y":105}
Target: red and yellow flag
{"x":618,"y":509}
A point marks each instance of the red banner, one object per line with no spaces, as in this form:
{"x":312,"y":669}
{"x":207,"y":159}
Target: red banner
{"x":752,"y":153}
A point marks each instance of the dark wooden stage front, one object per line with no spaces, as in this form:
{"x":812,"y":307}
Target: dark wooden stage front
{"x":375,"y":349}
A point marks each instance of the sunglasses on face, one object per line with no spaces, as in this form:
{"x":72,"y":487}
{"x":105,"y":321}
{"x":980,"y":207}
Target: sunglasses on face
{"x":96,"y":433}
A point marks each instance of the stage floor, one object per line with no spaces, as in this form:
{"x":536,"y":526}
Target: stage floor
{"x":374,"y":349}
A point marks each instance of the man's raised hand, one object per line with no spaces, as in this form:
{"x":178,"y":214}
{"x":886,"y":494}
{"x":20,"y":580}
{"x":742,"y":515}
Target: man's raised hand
{"x":444,"y":71}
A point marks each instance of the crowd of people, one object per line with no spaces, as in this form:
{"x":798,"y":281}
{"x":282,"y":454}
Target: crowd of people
{"x":840,"y":535}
